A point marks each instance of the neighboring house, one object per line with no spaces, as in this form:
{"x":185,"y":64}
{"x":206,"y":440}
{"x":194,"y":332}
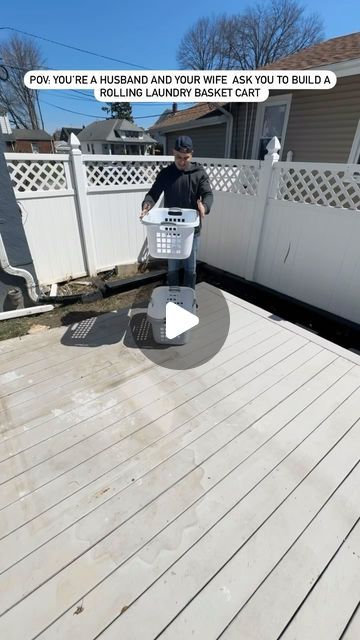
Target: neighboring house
{"x":115,"y":136}
{"x":61,"y":146}
{"x":61,"y":143}
{"x":209,"y":126}
{"x":66,"y":132}
{"x":7,"y":138}
{"x":312,"y":125}
{"x":32,"y":141}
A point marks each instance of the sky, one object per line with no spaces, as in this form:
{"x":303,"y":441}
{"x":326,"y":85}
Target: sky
{"x":146,"y":34}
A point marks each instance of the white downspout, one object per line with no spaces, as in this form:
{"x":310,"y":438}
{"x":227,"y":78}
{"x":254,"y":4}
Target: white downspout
{"x":22,"y":273}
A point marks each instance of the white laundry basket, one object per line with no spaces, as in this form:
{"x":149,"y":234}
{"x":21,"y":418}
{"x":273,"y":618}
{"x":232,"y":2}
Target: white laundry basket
{"x":183,"y":296}
{"x":170,"y":232}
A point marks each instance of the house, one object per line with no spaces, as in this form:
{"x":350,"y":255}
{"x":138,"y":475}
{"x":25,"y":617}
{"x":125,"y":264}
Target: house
{"x":115,"y":136}
{"x":66,"y":132}
{"x":32,"y":141}
{"x":7,"y":138}
{"x":23,"y":140}
{"x":209,"y":126}
{"x":312,"y":125}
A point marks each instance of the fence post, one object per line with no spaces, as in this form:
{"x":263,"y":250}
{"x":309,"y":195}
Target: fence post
{"x":83,"y":204}
{"x":266,"y":173}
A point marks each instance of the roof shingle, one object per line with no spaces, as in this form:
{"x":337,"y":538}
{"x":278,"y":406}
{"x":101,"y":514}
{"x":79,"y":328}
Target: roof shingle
{"x":186,"y":115}
{"x":328,"y":52}
{"x":105,"y":130}
{"x":31,"y":134}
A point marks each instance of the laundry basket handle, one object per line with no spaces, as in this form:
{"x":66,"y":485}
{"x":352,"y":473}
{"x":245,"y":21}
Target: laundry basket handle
{"x":165,"y":225}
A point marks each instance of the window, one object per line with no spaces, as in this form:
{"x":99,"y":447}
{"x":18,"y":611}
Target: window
{"x":124,"y":133}
{"x":35,"y":147}
{"x":271,"y":120}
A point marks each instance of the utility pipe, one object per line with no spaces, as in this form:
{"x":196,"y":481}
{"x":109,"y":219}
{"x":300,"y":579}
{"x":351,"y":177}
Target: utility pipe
{"x":28,"y":311}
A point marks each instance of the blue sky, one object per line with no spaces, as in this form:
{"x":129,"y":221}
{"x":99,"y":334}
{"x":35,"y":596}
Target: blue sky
{"x":142,"y":33}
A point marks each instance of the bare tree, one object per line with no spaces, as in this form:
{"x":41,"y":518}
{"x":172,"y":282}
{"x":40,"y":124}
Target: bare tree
{"x":262,"y":34}
{"x":19,"y":55}
{"x":204,"y":46}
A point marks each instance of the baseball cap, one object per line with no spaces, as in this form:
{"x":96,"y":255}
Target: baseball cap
{"x":184,"y":143}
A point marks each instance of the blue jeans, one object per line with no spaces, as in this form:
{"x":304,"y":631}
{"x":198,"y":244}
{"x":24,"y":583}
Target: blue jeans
{"x":189,"y":265}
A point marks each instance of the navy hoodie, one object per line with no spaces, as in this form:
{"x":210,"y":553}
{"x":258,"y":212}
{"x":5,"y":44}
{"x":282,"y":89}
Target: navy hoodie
{"x":182,"y":188}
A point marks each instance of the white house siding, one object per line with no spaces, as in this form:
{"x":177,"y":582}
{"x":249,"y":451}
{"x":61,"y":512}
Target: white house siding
{"x":209,"y":142}
{"x":322,"y":124}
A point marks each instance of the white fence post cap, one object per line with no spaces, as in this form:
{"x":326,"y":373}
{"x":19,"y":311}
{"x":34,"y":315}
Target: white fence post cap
{"x":272,"y":149}
{"x":74,"y":141}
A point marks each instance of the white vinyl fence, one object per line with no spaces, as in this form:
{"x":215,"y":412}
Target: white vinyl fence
{"x":294,"y":227}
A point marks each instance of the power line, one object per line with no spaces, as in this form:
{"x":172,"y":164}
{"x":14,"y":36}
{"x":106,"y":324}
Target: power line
{"x":64,"y":93}
{"x":68,"y":46}
{"x":88,"y":115}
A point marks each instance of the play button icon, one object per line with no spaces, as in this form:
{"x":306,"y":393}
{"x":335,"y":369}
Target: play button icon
{"x":178,"y":320}
{"x":173,"y":338}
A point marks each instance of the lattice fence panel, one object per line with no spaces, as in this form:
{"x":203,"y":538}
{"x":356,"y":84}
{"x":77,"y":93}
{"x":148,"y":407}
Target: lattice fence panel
{"x":125,"y":173}
{"x":242,"y":179}
{"x":233,"y":178}
{"x":30,"y":175}
{"x":330,"y":188}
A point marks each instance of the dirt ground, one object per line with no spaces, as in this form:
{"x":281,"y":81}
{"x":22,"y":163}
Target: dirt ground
{"x":64,"y":315}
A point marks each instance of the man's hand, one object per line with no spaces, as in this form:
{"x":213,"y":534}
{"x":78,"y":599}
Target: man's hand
{"x":201,"y":209}
{"x":145,"y":210}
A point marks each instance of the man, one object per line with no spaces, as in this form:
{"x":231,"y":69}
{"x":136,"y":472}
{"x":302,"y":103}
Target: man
{"x":185,"y":184}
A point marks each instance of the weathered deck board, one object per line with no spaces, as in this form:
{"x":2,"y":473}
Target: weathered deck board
{"x":191,"y":431}
{"x":202,"y":503}
{"x":139,"y":384}
{"x":125,"y":364}
{"x":352,"y":630}
{"x":339,"y":584}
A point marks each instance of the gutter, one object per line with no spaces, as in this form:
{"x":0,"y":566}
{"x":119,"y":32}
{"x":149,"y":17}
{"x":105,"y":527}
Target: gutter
{"x":229,"y":130}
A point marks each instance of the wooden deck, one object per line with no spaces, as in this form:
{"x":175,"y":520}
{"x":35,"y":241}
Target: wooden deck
{"x":140,"y":502}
